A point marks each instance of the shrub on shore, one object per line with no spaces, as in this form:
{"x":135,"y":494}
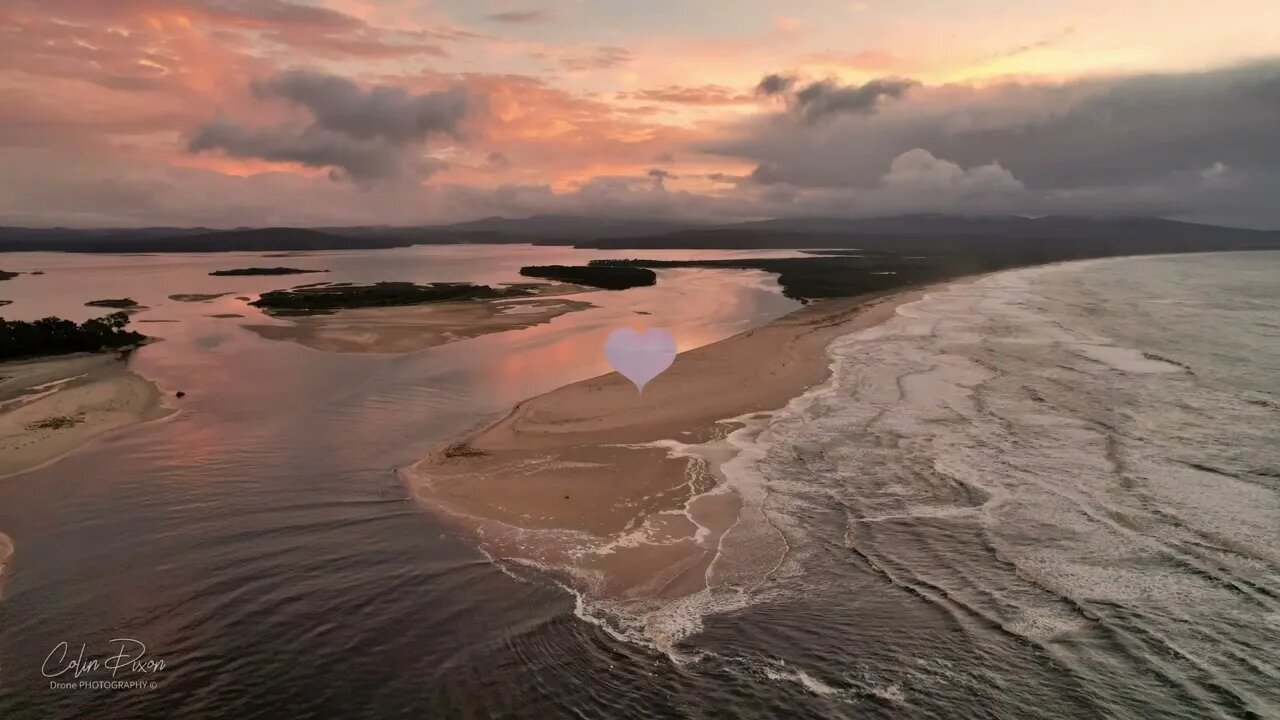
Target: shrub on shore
{"x":56,"y":336}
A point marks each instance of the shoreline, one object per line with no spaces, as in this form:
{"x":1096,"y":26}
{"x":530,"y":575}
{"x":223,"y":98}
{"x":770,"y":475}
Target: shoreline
{"x":51,"y":407}
{"x":6,"y":554}
{"x":621,"y":493}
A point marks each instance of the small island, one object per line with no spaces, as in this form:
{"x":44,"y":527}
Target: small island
{"x":607,"y":277}
{"x":6,"y":275}
{"x":197,"y":297}
{"x":327,"y":298}
{"x":118,"y":303}
{"x":234,"y":272}
{"x":401,"y":317}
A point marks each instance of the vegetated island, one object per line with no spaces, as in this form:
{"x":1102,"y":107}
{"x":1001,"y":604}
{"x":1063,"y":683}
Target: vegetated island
{"x":197,"y":297}
{"x":118,"y":303}
{"x":56,"y":336}
{"x":328,"y":298}
{"x":400,"y":317}
{"x":607,"y":277}
{"x":264,"y":271}
{"x":6,"y":275}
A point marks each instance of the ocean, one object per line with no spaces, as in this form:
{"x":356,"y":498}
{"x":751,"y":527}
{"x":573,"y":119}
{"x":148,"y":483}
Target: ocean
{"x":1050,"y":493}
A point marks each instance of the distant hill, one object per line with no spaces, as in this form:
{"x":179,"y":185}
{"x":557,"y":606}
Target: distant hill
{"x":556,"y":229}
{"x":568,"y":227}
{"x":60,"y":234}
{"x":904,"y":234}
{"x":993,"y":226}
{"x":149,"y":240}
{"x":1056,"y":237}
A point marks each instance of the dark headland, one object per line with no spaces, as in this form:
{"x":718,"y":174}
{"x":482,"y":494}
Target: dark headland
{"x":1056,"y":236}
{"x":608,"y":277}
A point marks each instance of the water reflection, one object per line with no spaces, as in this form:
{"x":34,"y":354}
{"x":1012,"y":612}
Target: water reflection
{"x":262,"y":527}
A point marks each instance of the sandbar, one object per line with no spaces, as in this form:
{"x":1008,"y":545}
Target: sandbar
{"x":51,"y":406}
{"x":619,"y":492}
{"x":410,"y":328}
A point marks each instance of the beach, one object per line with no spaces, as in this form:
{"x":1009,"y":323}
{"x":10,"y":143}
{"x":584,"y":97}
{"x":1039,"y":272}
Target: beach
{"x":412,"y":328}
{"x":49,"y":407}
{"x":620,"y":491}
{"x":6,"y":552}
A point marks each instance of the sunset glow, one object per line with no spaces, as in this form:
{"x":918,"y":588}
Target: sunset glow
{"x":357,"y":111}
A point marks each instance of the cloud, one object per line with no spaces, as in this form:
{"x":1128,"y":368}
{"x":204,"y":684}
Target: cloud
{"x":1101,"y":132}
{"x":496,"y":162}
{"x":826,"y":97}
{"x":301,"y":27}
{"x":1044,"y":42}
{"x":603,"y":57}
{"x":1215,"y":172}
{"x":775,"y":84}
{"x":918,"y":170}
{"x":520,"y":17}
{"x":348,"y":158}
{"x":382,"y":111}
{"x":866,"y":60}
{"x":660,"y":177}
{"x":682,"y":95}
{"x":360,"y":135}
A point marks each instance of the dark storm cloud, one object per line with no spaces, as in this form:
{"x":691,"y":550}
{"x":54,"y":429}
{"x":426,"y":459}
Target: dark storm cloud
{"x":1130,"y":130}
{"x":383,"y":111}
{"x":660,"y":177}
{"x":775,"y":84}
{"x":361,"y":135}
{"x":1118,"y":131}
{"x":348,"y":158}
{"x":826,"y":98}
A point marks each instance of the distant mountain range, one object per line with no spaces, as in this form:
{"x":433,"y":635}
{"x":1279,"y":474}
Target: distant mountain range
{"x":912,"y":234}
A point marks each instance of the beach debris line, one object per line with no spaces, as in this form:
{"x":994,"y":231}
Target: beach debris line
{"x":57,"y":422}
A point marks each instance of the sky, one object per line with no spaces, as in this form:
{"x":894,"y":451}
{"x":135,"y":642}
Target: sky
{"x":224,"y":113}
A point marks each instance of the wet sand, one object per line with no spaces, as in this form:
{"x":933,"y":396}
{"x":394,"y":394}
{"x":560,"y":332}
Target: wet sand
{"x":416,"y":327}
{"x":621,"y":491}
{"x":50,"y":407}
{"x":6,"y":552}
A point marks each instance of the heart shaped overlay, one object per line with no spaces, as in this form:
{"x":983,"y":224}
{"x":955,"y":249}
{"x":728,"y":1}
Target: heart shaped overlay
{"x":640,"y":356}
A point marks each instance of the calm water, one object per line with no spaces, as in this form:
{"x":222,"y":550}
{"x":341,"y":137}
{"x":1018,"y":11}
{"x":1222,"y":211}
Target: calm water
{"x":1050,"y":494}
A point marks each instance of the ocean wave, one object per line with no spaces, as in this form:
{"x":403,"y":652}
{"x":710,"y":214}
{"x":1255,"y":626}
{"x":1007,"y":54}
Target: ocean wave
{"x":1003,"y":454}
